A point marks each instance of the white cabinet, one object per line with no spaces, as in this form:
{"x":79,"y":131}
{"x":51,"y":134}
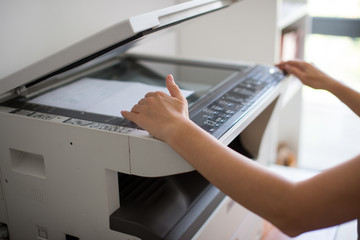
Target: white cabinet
{"x":247,"y":31}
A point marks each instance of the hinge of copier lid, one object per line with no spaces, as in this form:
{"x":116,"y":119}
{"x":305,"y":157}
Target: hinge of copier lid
{"x":21,"y":91}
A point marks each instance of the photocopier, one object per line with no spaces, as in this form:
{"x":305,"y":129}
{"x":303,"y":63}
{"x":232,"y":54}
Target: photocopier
{"x":72,"y":167}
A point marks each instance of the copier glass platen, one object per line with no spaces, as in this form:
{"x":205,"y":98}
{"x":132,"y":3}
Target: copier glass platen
{"x":72,"y":168}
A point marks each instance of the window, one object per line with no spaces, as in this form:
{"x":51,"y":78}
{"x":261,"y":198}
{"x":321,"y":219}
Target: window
{"x":330,"y":131}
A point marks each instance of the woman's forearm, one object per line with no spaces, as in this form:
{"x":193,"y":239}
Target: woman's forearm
{"x":292,"y":207}
{"x":236,"y":175}
{"x":347,"y":95}
{"x":313,"y":77}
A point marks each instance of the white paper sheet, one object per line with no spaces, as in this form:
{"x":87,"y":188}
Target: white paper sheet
{"x":99,"y":96}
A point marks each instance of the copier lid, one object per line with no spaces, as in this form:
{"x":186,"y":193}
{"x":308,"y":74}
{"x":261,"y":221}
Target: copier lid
{"x":119,"y":37}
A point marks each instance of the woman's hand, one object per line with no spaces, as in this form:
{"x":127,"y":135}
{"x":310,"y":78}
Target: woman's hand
{"x":308,"y":74}
{"x":159,"y":113}
{"x":313,"y":77}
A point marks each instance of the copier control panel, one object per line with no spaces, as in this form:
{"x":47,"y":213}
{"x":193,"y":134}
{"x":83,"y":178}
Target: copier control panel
{"x":235,"y":101}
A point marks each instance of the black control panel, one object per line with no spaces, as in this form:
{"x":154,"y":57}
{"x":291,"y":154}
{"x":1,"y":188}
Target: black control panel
{"x":233,"y":103}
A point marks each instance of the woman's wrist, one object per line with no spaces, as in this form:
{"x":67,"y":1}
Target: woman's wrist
{"x":174,"y":129}
{"x":180,"y":128}
{"x":332,"y":85}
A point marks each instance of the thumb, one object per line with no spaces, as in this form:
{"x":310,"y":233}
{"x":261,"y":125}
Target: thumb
{"x":129,"y":115}
{"x":174,"y":90}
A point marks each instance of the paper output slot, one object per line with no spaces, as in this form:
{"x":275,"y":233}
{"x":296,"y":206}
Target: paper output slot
{"x":27,"y":163}
{"x":171,"y":207}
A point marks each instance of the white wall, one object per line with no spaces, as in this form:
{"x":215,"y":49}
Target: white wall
{"x":246,"y":31}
